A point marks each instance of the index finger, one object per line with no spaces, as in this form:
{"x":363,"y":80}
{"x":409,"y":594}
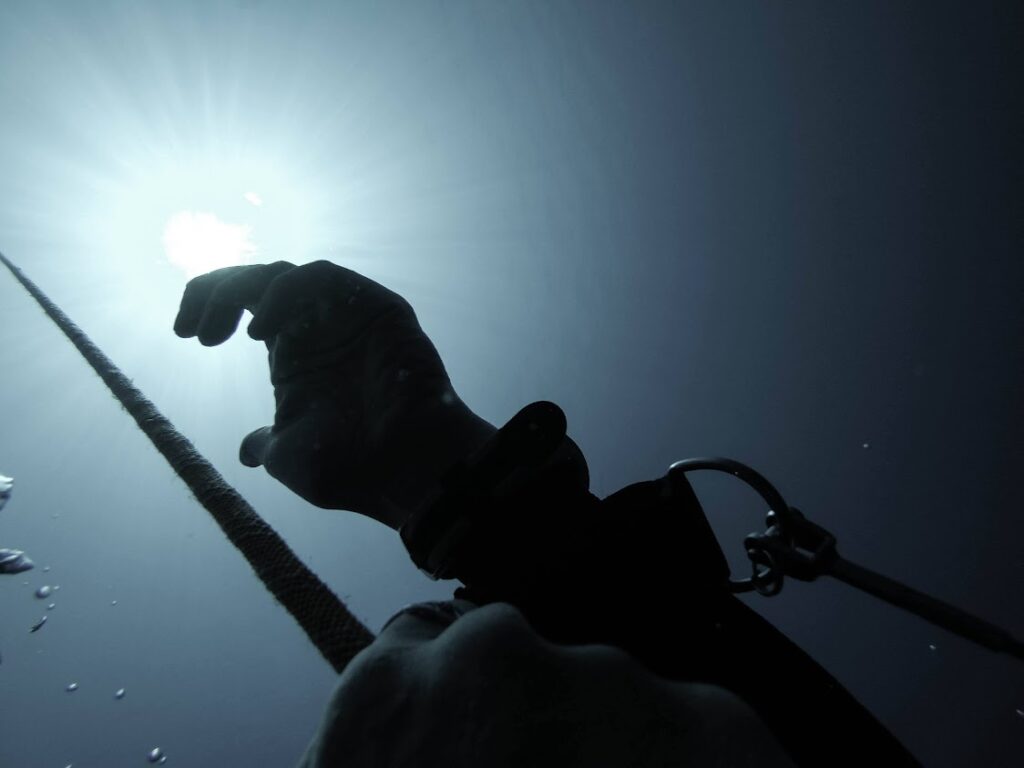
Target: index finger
{"x":210,"y":300}
{"x":320,"y":285}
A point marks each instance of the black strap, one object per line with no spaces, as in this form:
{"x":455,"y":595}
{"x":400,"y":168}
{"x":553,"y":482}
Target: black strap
{"x":640,"y":570}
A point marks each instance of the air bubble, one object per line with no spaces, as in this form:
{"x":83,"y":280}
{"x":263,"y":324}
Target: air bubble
{"x":119,"y":694}
{"x":71,"y":687}
{"x":156,"y":755}
{"x":14,"y":561}
{"x":43,"y":592}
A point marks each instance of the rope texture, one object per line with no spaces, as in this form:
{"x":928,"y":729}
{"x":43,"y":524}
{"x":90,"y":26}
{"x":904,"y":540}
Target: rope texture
{"x":328,"y":623}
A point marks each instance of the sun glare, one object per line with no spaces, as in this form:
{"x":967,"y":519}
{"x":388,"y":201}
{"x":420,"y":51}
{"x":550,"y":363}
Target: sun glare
{"x":196,"y":211}
{"x":198,"y":242}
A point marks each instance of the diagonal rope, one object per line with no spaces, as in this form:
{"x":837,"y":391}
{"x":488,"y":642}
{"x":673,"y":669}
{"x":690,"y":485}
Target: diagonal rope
{"x":331,"y":627}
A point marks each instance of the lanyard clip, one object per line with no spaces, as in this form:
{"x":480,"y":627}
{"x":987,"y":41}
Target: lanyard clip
{"x":792,"y":546}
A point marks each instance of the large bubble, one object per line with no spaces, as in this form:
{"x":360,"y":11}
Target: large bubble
{"x":14,"y":561}
{"x":11,"y":560}
{"x":6,"y":483}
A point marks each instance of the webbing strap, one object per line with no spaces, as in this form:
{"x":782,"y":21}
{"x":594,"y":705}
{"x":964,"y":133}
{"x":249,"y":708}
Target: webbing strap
{"x":328,"y":623}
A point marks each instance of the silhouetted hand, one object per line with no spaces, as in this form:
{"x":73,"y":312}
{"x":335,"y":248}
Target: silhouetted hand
{"x":484,"y":689}
{"x":366,"y":416}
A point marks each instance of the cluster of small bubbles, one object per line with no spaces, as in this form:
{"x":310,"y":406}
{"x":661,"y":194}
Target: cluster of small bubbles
{"x":71,"y":687}
{"x":43,"y":592}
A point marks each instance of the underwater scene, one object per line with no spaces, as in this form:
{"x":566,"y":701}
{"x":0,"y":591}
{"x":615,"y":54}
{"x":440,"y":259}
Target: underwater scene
{"x":354,"y":356}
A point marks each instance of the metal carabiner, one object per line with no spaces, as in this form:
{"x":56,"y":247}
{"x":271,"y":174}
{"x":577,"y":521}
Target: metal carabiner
{"x":794,"y":546}
{"x":769,"y":552}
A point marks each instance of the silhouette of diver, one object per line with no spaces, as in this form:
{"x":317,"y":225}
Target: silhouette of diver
{"x":605,"y":665}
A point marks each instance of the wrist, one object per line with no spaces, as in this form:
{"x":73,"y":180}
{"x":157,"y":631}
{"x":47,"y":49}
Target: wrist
{"x":450,"y":433}
{"x":528,"y":469}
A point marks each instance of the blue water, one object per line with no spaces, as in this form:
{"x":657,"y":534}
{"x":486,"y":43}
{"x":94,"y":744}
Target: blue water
{"x":790,"y":235}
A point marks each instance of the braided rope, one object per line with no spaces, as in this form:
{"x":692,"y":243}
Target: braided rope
{"x":328,"y":623}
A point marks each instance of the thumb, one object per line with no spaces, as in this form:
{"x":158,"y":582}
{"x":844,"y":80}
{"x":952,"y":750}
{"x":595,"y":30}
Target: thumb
{"x":254,"y":447}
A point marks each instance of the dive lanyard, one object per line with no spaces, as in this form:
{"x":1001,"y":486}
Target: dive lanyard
{"x":441,"y":533}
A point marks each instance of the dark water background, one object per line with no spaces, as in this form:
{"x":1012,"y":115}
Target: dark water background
{"x":776,"y":232}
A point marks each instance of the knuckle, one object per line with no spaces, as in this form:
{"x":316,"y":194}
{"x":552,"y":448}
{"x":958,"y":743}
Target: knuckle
{"x":492,"y":634}
{"x":320,"y":267}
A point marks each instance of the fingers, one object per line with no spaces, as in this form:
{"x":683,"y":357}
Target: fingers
{"x":193,"y":302}
{"x":278,"y":295}
{"x":285,"y":299}
{"x":212,"y":304}
{"x":293,"y":296}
